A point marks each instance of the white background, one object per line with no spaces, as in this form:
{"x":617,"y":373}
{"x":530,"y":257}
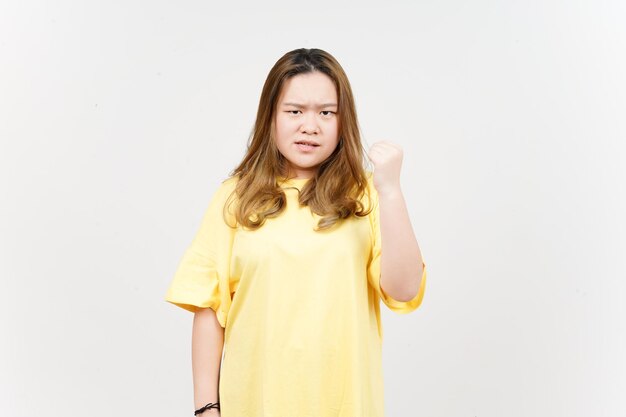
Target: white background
{"x":119,"y":119}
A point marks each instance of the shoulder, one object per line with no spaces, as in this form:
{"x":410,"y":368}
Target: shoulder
{"x":370,"y":189}
{"x":370,"y":179}
{"x":229,"y":183}
{"x":221,"y":194}
{"x":225,"y":188}
{"x":220,"y":202}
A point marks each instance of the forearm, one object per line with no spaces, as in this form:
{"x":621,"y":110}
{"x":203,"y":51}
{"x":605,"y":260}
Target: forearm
{"x":401,"y":258}
{"x":206,"y":357}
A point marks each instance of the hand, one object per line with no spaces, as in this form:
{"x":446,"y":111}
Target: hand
{"x":387,"y":160}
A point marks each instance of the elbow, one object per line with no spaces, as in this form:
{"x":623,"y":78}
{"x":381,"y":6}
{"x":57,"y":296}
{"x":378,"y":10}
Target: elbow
{"x":407,"y":295}
{"x":412,"y":292}
{"x":402,"y":294}
{"x":404,"y":286}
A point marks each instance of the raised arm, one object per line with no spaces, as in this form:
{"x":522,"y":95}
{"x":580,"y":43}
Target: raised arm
{"x":402,"y":266}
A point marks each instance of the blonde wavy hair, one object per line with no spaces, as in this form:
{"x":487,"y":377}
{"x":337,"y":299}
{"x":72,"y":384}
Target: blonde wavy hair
{"x":335,"y":192}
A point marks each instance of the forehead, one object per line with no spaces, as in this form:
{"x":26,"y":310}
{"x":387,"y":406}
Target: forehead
{"x":309,"y":88}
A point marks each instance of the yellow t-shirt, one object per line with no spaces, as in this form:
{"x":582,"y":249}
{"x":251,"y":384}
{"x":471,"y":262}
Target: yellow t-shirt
{"x":300,"y":309}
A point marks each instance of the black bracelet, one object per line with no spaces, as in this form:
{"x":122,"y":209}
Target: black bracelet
{"x":207,"y":407}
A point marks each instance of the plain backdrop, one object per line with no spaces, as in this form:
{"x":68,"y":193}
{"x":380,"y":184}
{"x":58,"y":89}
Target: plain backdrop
{"x":119,"y":119}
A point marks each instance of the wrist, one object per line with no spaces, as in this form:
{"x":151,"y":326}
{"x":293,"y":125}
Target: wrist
{"x":391,"y":193}
{"x":209,"y":409}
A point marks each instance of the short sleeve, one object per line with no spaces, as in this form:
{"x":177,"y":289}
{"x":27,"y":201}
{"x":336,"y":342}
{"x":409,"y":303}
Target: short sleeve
{"x":374,"y":265}
{"x":202,"y":277}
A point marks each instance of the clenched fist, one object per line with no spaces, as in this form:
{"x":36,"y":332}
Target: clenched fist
{"x":387,"y":160}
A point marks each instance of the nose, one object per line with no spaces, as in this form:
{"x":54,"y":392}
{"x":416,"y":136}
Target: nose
{"x":309,"y":124}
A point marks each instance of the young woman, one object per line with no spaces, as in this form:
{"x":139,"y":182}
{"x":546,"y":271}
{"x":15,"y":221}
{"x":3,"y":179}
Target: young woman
{"x":287,"y":270}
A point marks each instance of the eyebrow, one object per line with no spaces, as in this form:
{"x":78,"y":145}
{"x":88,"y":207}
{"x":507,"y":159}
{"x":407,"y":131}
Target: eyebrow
{"x":301,"y":105}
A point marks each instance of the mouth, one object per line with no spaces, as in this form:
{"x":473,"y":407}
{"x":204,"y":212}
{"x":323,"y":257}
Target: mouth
{"x":307,"y":143}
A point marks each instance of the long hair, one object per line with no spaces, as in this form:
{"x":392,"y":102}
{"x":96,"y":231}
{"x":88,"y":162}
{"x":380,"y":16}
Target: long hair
{"x":335,"y":192}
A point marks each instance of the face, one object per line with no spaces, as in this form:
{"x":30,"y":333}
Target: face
{"x":306,"y":112}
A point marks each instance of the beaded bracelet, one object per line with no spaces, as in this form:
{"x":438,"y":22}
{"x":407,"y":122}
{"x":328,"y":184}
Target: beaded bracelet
{"x":207,"y":407}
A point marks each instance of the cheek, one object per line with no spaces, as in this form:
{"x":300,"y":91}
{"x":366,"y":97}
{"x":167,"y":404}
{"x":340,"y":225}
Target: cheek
{"x":278,"y":130}
{"x":283,"y":127}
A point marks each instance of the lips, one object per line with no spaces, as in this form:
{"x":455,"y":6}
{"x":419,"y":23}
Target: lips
{"x":307,"y":142}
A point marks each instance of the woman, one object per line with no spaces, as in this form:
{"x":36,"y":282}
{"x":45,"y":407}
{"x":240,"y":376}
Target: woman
{"x":287,"y":270}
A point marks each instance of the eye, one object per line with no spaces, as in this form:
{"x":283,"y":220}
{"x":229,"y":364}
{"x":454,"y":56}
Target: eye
{"x":292,"y":111}
{"x":327,"y":111}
